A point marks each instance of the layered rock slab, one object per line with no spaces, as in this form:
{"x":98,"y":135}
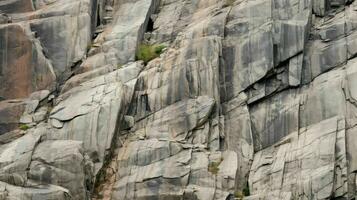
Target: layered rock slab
{"x":36,"y":169}
{"x":269,"y":35}
{"x":62,"y":163}
{"x":177,"y":121}
{"x":152,"y":168}
{"x":91,"y":112}
{"x":65,"y":162}
{"x":310,"y":164}
{"x":177,"y":125}
{"x":169,"y":158}
{"x":309,"y":111}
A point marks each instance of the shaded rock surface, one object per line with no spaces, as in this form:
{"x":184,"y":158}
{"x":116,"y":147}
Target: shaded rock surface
{"x":252,"y":99}
{"x":24,"y":68}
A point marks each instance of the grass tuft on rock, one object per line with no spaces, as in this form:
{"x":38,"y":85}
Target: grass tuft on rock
{"x":147,"y":52}
{"x":24,"y":127}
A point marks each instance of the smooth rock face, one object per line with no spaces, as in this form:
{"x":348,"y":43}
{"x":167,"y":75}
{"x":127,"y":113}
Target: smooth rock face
{"x":24,"y":68}
{"x":56,"y":36}
{"x":10,"y":113}
{"x":248,"y":99}
{"x":41,"y":48}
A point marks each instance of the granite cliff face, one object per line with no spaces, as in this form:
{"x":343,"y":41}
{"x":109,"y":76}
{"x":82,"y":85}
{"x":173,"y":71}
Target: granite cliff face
{"x":253,"y":99}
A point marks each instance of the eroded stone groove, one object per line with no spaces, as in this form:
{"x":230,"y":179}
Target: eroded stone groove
{"x":252,"y":99}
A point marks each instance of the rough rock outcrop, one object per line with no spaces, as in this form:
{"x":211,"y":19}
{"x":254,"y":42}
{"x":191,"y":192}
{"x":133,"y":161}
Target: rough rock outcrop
{"x":32,"y":169}
{"x":117,"y":44}
{"x":92,"y":111}
{"x":252,"y":99}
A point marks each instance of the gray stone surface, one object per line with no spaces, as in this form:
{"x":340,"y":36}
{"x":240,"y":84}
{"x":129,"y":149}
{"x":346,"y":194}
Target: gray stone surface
{"x":250,"y":99}
{"x":268,"y":34}
{"x":310,"y":164}
{"x":16,"y":157}
{"x":62,"y":163}
{"x":34,"y":192}
{"x":92,"y":111}
{"x":118,"y":43}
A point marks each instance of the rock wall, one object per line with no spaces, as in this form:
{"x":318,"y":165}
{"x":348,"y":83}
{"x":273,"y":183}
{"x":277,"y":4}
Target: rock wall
{"x":246,"y":99}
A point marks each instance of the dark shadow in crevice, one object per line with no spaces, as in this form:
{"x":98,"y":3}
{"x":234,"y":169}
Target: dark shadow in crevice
{"x":150,"y":26}
{"x":99,"y":22}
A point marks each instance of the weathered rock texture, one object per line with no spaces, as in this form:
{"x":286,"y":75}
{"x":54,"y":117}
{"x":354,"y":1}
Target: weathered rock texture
{"x":253,"y":99}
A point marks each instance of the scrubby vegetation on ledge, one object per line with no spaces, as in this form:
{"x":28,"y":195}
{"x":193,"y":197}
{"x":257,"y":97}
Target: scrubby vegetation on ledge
{"x":148,"y":52}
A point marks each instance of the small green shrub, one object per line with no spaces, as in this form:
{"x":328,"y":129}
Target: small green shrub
{"x":159,"y":48}
{"x":147,"y":53}
{"x":239,"y":195}
{"x":119,"y":66}
{"x":24,"y":127}
{"x":213,"y":167}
